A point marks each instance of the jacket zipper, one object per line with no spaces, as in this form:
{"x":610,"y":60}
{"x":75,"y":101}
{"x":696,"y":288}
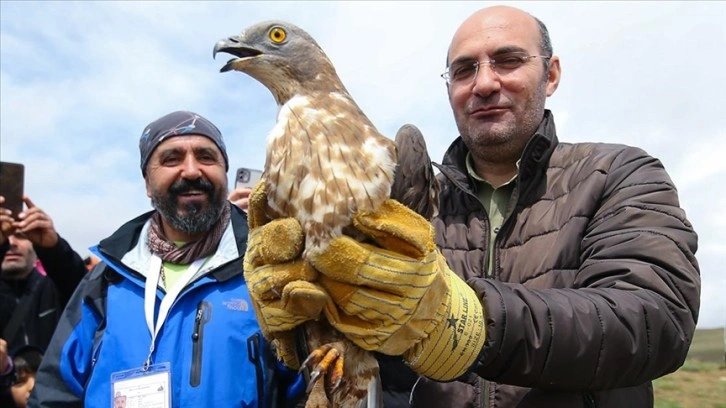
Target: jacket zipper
{"x":589,"y":400}
{"x":253,"y":353}
{"x":484,"y":384}
{"x":204,"y":314}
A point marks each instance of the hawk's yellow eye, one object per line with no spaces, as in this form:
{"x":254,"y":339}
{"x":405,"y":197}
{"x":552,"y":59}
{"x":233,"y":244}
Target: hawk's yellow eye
{"x":277,"y":35}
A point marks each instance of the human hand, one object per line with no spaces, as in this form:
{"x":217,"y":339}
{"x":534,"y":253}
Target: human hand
{"x":36,"y":225}
{"x":240,"y":197}
{"x":5,"y":360}
{"x":280,"y":283}
{"x":400,"y":297}
{"x":7,"y":222}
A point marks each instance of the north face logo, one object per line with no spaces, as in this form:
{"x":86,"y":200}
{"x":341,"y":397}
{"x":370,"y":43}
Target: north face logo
{"x":237,"y":304}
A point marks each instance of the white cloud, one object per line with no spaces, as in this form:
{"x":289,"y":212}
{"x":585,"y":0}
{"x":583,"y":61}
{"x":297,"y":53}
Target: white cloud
{"x":80,"y":80}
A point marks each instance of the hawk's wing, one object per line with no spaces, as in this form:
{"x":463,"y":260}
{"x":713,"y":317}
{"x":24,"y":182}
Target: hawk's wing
{"x":414,"y":183}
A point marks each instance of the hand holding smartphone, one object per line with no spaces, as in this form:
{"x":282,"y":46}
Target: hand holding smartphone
{"x":11,"y":186}
{"x":245,"y":181}
{"x":247,"y":177}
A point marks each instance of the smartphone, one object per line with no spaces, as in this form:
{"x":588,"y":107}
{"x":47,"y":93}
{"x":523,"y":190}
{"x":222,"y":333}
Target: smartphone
{"x":11,"y":186}
{"x":247,"y":177}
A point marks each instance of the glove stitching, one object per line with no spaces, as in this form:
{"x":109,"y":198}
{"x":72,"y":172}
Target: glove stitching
{"x":260,"y":286}
{"x":432,"y":326}
{"x":368,"y":317}
{"x":285,"y":323}
{"x":417,"y":274}
{"x":388,"y":254}
{"x":398,"y":304}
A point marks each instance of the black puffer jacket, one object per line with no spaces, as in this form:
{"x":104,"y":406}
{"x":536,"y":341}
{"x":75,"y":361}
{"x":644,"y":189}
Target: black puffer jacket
{"x":47,"y":296}
{"x":595,"y":288}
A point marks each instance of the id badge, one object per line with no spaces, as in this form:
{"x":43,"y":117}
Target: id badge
{"x":139,"y":388}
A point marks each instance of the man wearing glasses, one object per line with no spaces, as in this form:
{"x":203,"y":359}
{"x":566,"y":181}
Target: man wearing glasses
{"x":579,"y":256}
{"x":582,"y":258}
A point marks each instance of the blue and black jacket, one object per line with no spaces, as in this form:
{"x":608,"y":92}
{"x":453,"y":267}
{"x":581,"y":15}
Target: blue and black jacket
{"x":211,"y":337}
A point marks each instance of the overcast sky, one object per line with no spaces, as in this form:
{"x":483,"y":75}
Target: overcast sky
{"x":80,"y":80}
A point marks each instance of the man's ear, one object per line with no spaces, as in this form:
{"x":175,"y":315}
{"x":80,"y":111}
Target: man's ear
{"x":148,"y":186}
{"x":553,"y":75}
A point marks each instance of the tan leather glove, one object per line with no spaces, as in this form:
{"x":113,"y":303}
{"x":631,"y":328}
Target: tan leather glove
{"x":399,"y":297}
{"x":280,"y":284}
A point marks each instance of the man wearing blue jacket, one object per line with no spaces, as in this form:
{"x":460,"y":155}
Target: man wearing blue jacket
{"x":166,"y":318}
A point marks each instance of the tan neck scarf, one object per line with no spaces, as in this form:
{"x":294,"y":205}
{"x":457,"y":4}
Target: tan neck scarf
{"x":189,"y":252}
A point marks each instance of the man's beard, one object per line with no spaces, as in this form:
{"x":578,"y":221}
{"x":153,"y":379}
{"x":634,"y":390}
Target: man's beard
{"x":193,"y":218}
{"x":16,"y":271}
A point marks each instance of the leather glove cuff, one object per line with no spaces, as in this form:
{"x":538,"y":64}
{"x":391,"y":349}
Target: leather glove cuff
{"x":456,"y":333}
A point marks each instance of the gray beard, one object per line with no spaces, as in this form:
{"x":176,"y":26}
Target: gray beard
{"x":193,"y":220}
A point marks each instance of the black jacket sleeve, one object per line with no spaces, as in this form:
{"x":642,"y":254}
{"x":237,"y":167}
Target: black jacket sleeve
{"x":64,"y":267}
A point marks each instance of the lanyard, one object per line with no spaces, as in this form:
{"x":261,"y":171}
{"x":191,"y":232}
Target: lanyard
{"x":152,"y":281}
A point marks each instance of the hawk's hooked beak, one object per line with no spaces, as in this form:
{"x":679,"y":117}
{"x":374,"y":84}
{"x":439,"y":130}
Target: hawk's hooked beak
{"x":236,"y":47}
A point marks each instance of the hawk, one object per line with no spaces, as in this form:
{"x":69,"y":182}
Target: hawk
{"x":325,"y":160}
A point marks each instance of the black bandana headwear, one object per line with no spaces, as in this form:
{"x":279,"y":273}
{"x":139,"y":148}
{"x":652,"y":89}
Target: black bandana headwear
{"x":179,"y":123}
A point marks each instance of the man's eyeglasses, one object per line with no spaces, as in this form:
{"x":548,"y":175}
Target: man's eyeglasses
{"x":463,"y":72}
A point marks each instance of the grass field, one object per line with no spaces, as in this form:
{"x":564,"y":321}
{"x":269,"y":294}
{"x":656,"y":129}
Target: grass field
{"x":701,"y":382}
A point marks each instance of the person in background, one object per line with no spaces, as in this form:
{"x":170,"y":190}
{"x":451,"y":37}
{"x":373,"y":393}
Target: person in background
{"x":169,"y":296}
{"x":17,"y":374}
{"x":240,"y":197}
{"x":90,"y":261}
{"x":26,"y":362}
{"x":31,"y":303}
{"x":39,"y":267}
{"x":7,"y":376}
{"x":579,"y":257}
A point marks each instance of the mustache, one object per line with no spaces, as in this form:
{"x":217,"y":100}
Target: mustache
{"x":184,"y":186}
{"x":479,"y":104}
{"x":488,"y":102}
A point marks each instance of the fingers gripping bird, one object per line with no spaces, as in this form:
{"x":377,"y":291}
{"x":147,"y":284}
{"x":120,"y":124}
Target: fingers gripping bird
{"x":325,"y":160}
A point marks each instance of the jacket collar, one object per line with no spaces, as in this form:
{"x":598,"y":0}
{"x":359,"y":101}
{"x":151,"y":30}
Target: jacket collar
{"x":125,"y":246}
{"x":533,"y":163}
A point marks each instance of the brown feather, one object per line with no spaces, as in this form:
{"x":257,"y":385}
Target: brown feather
{"x":415,"y":183}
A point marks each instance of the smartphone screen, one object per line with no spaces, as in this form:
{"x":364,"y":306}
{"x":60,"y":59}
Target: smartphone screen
{"x":247,"y":177}
{"x":11,"y":186}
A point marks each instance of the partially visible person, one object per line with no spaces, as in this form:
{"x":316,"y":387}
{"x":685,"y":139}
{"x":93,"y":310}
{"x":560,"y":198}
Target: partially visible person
{"x":39,"y":267}
{"x":169,"y":294}
{"x":240,"y":197}
{"x":31,"y":303}
{"x":91,"y":261}
{"x":17,"y":374}
{"x":7,"y":376}
{"x":26,"y":362}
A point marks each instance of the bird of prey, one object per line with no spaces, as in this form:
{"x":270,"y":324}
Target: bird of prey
{"x":325,"y":160}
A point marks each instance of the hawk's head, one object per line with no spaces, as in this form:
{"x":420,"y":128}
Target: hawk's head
{"x":283,"y":57}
